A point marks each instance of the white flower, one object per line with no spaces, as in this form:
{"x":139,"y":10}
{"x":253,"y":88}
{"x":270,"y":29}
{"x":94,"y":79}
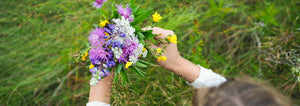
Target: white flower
{"x":117,"y":52}
{"x":120,"y":39}
{"x":145,"y":53}
{"x":123,"y":26}
{"x":133,"y":59}
{"x":138,"y":51}
{"x":93,"y":81}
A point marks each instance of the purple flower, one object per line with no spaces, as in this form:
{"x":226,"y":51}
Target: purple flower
{"x":128,"y":50}
{"x":98,"y":3}
{"x":98,"y":54}
{"x":96,"y":37}
{"x":125,"y":12}
{"x":122,"y":59}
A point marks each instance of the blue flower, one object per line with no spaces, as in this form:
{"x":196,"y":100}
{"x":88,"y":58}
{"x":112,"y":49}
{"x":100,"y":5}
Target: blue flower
{"x":94,"y":70}
{"x":111,"y":27}
{"x":96,"y":62}
{"x":116,"y":44}
{"x":107,"y":31}
{"x":105,"y":37}
{"x":106,"y":72}
{"x":108,"y":42}
{"x":102,"y":74}
{"x":111,"y":63}
{"x":122,"y":35}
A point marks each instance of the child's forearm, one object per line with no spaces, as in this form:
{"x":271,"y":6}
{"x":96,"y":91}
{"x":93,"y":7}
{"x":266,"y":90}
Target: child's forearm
{"x":186,"y":69}
{"x":102,"y":91}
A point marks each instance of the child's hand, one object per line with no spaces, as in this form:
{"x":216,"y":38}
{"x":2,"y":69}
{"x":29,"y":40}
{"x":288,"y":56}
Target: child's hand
{"x":174,"y":62}
{"x":171,"y":51}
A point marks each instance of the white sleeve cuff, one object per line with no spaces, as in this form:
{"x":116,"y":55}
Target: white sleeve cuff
{"x":97,"y":103}
{"x":207,"y":78}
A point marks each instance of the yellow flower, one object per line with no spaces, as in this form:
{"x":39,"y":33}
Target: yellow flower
{"x":84,"y":56}
{"x":103,"y":23}
{"x":144,"y":49}
{"x":172,"y":39}
{"x":158,"y":50}
{"x":128,"y":64}
{"x":91,"y":66}
{"x":156,"y":17}
{"x":161,"y":58}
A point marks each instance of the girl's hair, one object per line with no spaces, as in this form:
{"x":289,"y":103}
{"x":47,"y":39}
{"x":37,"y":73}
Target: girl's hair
{"x":240,"y":92}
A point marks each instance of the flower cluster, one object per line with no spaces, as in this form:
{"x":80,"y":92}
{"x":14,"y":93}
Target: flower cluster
{"x":114,"y":43}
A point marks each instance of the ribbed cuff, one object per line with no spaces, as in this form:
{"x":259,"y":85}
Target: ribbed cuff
{"x":97,"y":103}
{"x":207,"y":78}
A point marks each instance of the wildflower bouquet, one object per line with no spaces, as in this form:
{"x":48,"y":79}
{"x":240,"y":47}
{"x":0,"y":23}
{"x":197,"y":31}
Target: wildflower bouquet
{"x":117,"y":43}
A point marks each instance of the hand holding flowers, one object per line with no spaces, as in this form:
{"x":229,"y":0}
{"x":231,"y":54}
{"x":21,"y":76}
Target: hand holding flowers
{"x":117,"y":42}
{"x":170,"y":53}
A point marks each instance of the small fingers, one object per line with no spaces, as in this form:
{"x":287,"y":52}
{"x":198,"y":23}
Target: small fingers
{"x":152,"y":46}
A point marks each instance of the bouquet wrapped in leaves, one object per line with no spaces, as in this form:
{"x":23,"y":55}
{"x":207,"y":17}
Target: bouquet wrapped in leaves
{"x":118,"y":43}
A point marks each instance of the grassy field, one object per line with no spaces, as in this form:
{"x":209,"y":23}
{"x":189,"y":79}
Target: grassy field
{"x":38,"y":38}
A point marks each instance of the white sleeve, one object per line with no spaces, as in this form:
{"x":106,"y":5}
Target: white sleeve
{"x":207,"y":78}
{"x":97,"y":103}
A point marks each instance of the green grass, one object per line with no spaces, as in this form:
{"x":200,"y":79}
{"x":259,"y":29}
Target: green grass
{"x":39,"y":38}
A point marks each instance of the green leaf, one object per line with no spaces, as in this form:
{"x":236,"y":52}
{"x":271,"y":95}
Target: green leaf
{"x":135,"y":10}
{"x":140,"y":35}
{"x":113,"y":9}
{"x":142,"y":41}
{"x":145,"y":62}
{"x":140,"y":12}
{"x":116,"y":77}
{"x":119,"y":68}
{"x":103,"y":14}
{"x":131,"y":2}
{"x":141,"y":64}
{"x":95,"y":25}
{"x":138,"y":71}
{"x":148,"y":34}
{"x":137,"y":29}
{"x":124,"y":77}
{"x":141,"y":18}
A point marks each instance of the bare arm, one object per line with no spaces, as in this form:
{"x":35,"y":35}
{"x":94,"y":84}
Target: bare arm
{"x":102,"y":91}
{"x":175,"y":62}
